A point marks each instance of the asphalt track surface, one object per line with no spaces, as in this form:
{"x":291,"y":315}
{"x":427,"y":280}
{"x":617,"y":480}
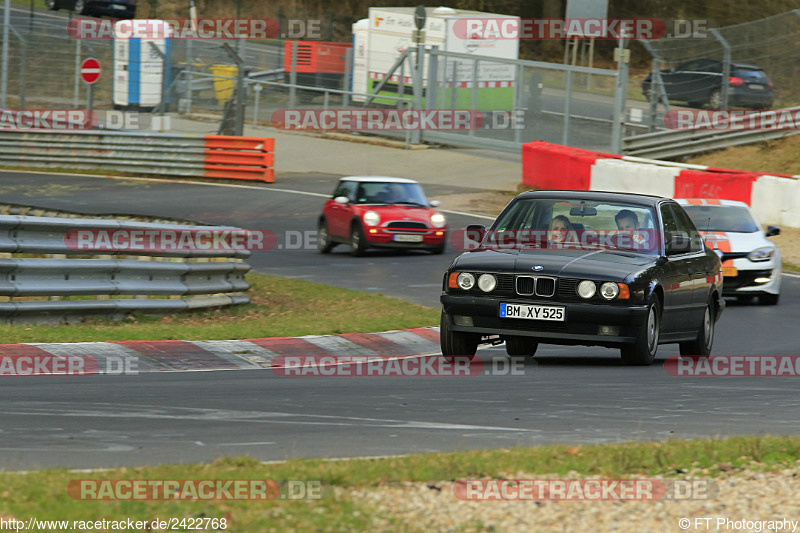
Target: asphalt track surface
{"x":569,"y":395}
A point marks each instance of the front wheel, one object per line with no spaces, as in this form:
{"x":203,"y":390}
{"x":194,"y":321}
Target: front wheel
{"x":769,"y":299}
{"x":357,"y":240}
{"x":456,"y":344}
{"x":705,"y":335}
{"x":80,"y":7}
{"x":715,"y":99}
{"x":324,"y":242}
{"x":643,"y":351}
{"x":521,"y":347}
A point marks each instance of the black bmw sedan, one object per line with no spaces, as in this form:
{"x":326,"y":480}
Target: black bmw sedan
{"x":583,"y":268}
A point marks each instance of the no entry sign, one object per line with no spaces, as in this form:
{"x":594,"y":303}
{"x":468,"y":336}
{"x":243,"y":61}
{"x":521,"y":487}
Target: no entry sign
{"x":90,"y":70}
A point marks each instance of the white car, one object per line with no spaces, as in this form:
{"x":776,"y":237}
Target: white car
{"x":751,"y":264}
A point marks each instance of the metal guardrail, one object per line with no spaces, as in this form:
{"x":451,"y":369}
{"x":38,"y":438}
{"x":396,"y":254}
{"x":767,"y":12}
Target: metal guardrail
{"x":180,"y":280}
{"x":165,"y":154}
{"x":675,"y":143}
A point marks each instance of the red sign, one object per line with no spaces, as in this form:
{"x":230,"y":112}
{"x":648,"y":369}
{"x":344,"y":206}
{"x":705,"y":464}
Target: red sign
{"x":90,"y":70}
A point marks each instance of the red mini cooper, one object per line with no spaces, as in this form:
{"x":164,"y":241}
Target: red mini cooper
{"x":380,"y":212}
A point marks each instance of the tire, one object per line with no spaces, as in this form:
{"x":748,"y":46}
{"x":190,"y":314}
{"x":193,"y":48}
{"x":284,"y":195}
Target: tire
{"x":696,"y":105}
{"x":769,"y":299}
{"x":52,"y":5}
{"x":715,"y":99}
{"x":456,"y":344}
{"x":357,"y":240}
{"x":643,"y":351}
{"x":438,"y":250}
{"x":324,"y":242}
{"x":701,"y":346}
{"x":524,"y":347}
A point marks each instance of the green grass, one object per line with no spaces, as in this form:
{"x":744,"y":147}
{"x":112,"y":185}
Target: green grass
{"x":790,"y":267}
{"x":279,"y":307}
{"x":43,"y":494}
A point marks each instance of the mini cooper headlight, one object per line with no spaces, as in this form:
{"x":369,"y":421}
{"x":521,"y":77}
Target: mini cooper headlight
{"x":586,"y":289}
{"x":466,"y":281}
{"x":761,"y":254}
{"x":609,"y":290}
{"x":371,"y":218}
{"x":487,"y":282}
{"x":438,"y":220}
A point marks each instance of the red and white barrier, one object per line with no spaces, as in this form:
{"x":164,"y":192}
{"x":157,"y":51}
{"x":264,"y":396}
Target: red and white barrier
{"x":775,"y":198}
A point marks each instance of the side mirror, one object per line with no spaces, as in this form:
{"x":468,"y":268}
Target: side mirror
{"x":772,"y":231}
{"x":435,"y":203}
{"x":341,"y":200}
{"x":475,"y":232}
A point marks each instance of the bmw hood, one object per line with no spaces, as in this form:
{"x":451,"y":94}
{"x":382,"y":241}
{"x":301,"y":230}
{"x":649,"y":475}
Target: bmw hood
{"x":607,"y":264}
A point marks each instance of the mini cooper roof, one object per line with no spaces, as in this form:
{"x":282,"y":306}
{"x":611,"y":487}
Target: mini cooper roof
{"x":379,"y":179}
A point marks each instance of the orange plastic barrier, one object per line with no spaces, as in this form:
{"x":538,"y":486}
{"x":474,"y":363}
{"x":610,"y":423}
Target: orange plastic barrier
{"x":553,"y":166}
{"x":242,"y":158}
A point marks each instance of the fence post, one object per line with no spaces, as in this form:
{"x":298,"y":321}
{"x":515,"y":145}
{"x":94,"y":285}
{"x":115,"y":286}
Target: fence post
{"x":293,"y":76}
{"x":567,"y":98}
{"x":726,"y":67}
{"x":4,"y":61}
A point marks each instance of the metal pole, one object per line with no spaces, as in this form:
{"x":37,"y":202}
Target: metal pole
{"x":474,"y":92}
{"x":619,"y":98}
{"x":567,"y":98}
{"x":348,"y":77}
{"x":293,"y":76}
{"x":4,"y":61}
{"x":257,"y":90}
{"x":433,"y":80}
{"x":655,"y":86}
{"x":91,"y":97}
{"x":76,"y":90}
{"x":726,"y":67}
{"x":417,"y":134}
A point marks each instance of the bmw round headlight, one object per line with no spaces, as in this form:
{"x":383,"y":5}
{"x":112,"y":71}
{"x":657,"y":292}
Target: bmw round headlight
{"x":761,"y":254}
{"x":609,"y":290}
{"x":371,"y":218}
{"x":466,"y":281}
{"x":438,"y":220}
{"x":487,"y":282}
{"x":586,"y":289}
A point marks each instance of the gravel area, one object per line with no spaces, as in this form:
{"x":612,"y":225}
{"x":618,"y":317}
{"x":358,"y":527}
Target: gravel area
{"x":749,"y":495}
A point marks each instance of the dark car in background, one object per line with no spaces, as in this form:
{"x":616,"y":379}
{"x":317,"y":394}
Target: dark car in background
{"x":699,"y":82}
{"x":629,"y":272}
{"x":120,"y":9}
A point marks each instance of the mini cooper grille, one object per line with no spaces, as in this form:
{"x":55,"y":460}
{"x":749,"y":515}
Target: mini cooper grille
{"x":404,"y":225}
{"x":525,"y":285}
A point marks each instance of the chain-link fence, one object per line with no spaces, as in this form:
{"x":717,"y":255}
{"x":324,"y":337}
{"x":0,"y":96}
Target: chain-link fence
{"x":520,"y":100}
{"x":751,"y":65}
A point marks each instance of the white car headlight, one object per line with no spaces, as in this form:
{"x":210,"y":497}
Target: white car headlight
{"x":371,"y":218}
{"x":761,"y":254}
{"x":487,"y":282}
{"x":466,"y":280}
{"x":586,"y":289}
{"x":438,"y":220}
{"x":609,"y":290}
